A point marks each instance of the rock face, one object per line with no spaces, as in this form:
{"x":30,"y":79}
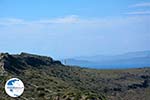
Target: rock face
{"x":16,"y":63}
{"x":2,"y":61}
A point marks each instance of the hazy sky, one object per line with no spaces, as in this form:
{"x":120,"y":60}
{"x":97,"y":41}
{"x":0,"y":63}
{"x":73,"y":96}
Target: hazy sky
{"x":68,"y":28}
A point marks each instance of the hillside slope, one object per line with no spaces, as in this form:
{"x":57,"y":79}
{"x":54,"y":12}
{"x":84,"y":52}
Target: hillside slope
{"x":47,"y":79}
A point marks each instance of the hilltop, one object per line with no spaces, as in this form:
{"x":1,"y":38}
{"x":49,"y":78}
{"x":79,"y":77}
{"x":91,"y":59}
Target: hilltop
{"x":48,"y":79}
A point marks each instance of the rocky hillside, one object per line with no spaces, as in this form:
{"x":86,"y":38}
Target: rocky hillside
{"x":47,"y":79}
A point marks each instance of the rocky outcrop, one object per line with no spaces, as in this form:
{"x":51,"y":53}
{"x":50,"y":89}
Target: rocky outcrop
{"x":16,"y":63}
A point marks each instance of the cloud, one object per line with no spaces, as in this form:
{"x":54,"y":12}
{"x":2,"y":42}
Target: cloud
{"x":142,"y":6}
{"x":62,"y":20}
{"x":138,"y":13}
{"x":145,"y":4}
{"x":69,"y":21}
{"x":72,"y":25}
{"x":11,"y":21}
{"x":73,"y":35}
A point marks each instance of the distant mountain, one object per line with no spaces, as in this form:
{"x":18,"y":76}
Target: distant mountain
{"x":127,"y":60}
{"x":47,"y":79}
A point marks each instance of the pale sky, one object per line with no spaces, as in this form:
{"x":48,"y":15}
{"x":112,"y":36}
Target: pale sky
{"x":69,"y":28}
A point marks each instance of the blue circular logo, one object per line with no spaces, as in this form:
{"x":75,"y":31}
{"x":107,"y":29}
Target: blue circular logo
{"x":14,"y":87}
